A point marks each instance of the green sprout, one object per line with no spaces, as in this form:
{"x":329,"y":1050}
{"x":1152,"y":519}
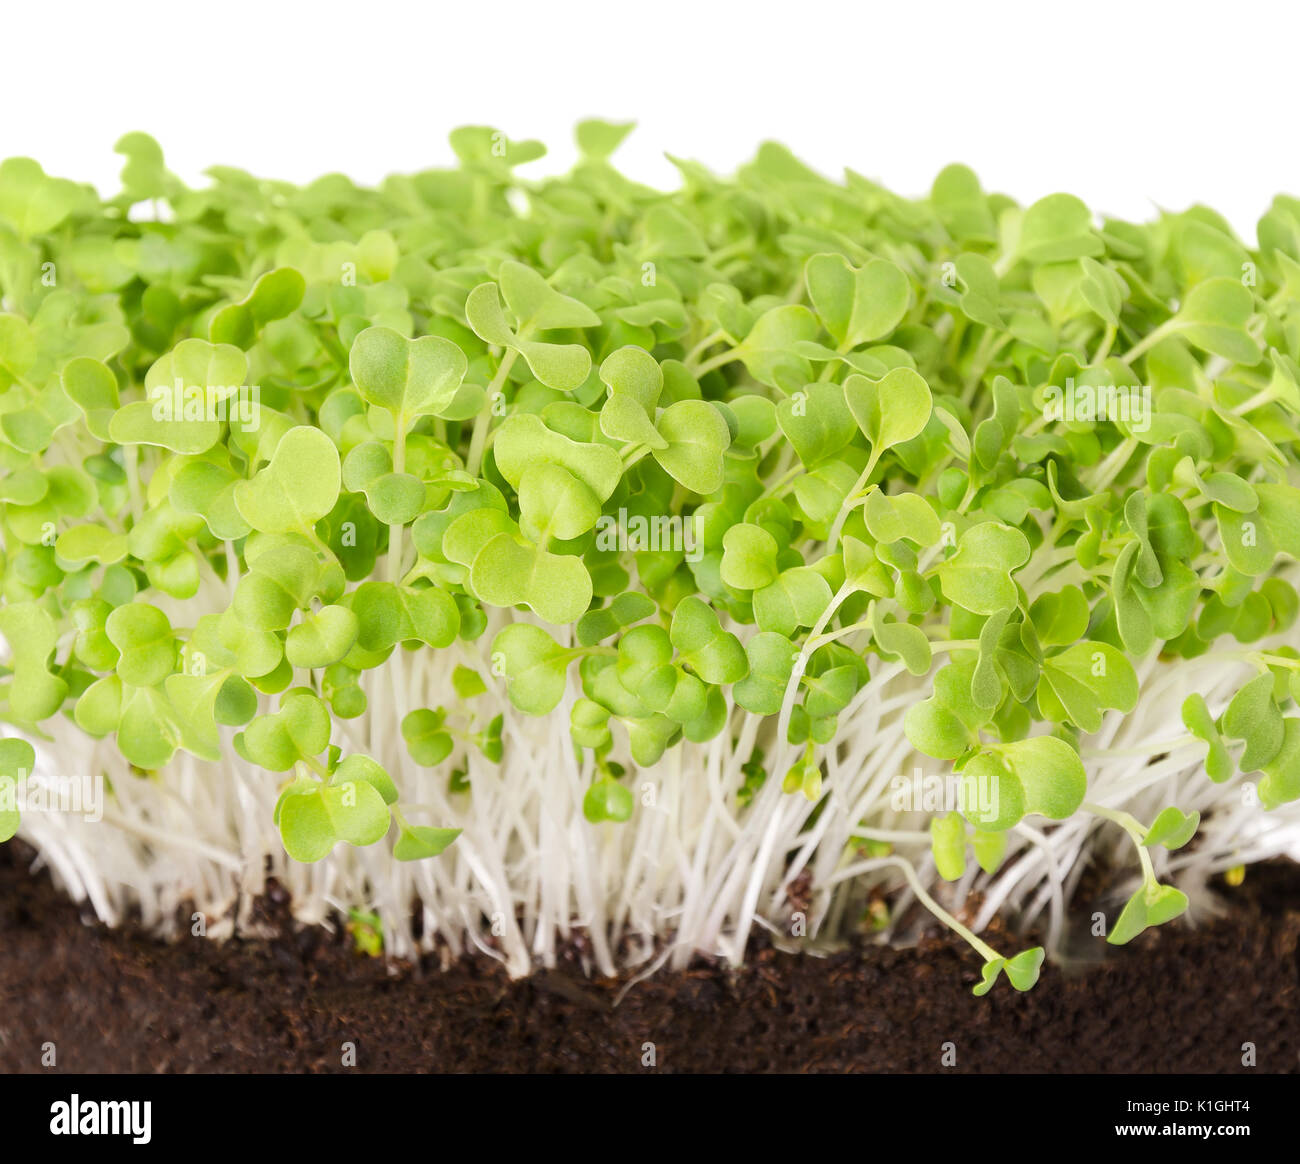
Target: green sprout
{"x":767,"y":475}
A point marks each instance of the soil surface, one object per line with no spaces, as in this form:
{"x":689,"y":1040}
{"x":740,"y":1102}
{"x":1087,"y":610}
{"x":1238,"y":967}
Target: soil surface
{"x":1177,"y":999}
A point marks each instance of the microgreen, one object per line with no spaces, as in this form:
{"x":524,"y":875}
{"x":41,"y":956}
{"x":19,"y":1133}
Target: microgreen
{"x":692,"y":473}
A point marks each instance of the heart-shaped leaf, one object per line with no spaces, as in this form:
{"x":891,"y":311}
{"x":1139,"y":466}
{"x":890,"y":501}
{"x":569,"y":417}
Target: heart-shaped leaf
{"x":856,"y":304}
{"x":275,"y":295}
{"x":889,"y":411}
{"x":298,"y":487}
{"x":533,"y":665}
{"x":696,"y":437}
{"x":712,"y":653}
{"x":313,"y":817}
{"x":299,"y":730}
{"x":1173,"y":828}
{"x":509,"y":571}
{"x":323,"y":637}
{"x":1151,"y":905}
{"x":1082,"y":681}
{"x":1022,"y":971}
{"x":426,"y":738}
{"x":408,"y":378}
{"x":978,"y":577}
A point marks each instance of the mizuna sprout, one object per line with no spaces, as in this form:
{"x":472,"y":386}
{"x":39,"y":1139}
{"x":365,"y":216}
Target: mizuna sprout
{"x":561,"y":553}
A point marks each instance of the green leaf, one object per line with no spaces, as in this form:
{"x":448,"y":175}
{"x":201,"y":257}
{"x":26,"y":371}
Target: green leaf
{"x":1022,"y":971}
{"x":1198,"y":720}
{"x":306,"y":829}
{"x":889,"y":411}
{"x":768,"y":350}
{"x":467,"y":682}
{"x":313,"y":818}
{"x":607,"y":800}
{"x":1173,"y":828}
{"x":509,"y":571}
{"x":362,"y":768}
{"x":31,"y":201}
{"x":92,"y":387}
{"x":388,"y":614}
{"x":904,"y":641}
{"x":1253,"y":716}
{"x":323,"y":637}
{"x":599,"y":139}
{"x":275,"y":295}
{"x":408,"y":378}
{"x":1254,"y":540}
{"x":795,"y":598}
{"x":635,"y":383}
{"x":147,"y":647}
{"x":978,"y":577}
{"x":144,"y":423}
{"x":148,"y":732}
{"x":697,"y":437}
{"x":990,"y":848}
{"x":1051,"y":775}
{"x":1060,"y":617}
{"x":1152,"y":905}
{"x":524,"y":441}
{"x":903,"y":515}
{"x":536,"y":304}
{"x":1213,"y":317}
{"x":771,"y":660}
{"x":193,"y":700}
{"x":749,"y":557}
{"x":1057,"y":228}
{"x":91,"y":543}
{"x":1082,"y":681}
{"x":948,"y":844}
{"x":715,"y":655}
{"x":1281,"y":782}
{"x":207,"y":488}
{"x":563,"y":367}
{"x":298,"y":487}
{"x":856,"y":304}
{"x":416,"y":842}
{"x":299,"y":730}
{"x":553,"y":503}
{"x":625,"y":610}
{"x":816,"y":421}
{"x":864,"y":571}
{"x":426,"y":739}
{"x":533,"y":665}
{"x":946,"y":724}
{"x":17,"y":762}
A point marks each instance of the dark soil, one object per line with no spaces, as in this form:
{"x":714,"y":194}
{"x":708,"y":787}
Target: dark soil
{"x":1177,"y":1000}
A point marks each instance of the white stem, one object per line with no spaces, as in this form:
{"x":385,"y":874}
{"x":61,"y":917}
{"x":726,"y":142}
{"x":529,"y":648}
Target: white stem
{"x":693,"y":870}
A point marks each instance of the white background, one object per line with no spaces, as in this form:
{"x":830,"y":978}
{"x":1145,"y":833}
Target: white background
{"x":1129,"y":105}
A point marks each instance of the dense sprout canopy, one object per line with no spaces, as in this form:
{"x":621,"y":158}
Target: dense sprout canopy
{"x":675,"y":462}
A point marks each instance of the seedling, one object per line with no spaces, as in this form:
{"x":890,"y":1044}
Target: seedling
{"x":318,"y":504}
